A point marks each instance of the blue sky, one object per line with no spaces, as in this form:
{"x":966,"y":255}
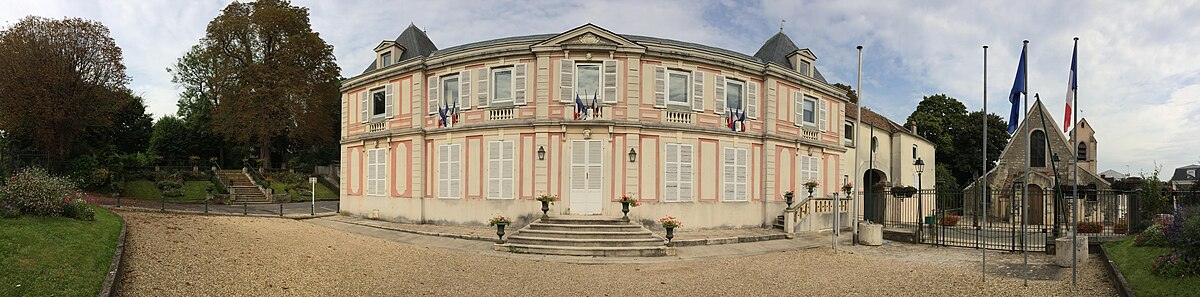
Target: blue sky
{"x":1139,"y":61}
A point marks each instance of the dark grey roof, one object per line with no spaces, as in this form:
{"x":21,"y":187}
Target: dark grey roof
{"x":637,"y":38}
{"x":468,"y":46}
{"x":415,"y":43}
{"x":1181,"y":173}
{"x":776,"y":50}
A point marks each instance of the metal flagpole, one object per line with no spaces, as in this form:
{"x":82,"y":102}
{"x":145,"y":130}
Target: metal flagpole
{"x":858,"y":119}
{"x":1074,"y":91}
{"x":1025,"y":180}
{"x":983,"y":180}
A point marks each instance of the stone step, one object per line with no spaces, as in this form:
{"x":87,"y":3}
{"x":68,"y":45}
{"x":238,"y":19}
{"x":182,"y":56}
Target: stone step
{"x":586,"y":242}
{"x":581,"y":220}
{"x":639,"y":251}
{"x":584,"y":228}
{"x":631,"y":234}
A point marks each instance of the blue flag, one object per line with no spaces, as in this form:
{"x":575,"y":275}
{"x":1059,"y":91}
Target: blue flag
{"x":1014,"y":95}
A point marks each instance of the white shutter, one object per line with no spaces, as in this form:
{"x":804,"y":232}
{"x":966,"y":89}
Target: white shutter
{"x":456,"y":171}
{"x":719,"y":94}
{"x":610,"y":81}
{"x":519,"y":84}
{"x":660,"y":87}
{"x":824,"y":114}
{"x":742,"y":174}
{"x":433,"y":94}
{"x":365,"y":107}
{"x":507,"y":170}
{"x":595,"y":164}
{"x":799,"y":99}
{"x":390,"y":95}
{"x":464,"y":89}
{"x":729,"y":176}
{"x":481,"y":86}
{"x":697,"y":91}
{"x":443,"y":171}
{"x":671,"y":172}
{"x":493,"y":188}
{"x":751,"y":100}
{"x":814,"y":168}
{"x":685,"y":172}
{"x":566,"y":78}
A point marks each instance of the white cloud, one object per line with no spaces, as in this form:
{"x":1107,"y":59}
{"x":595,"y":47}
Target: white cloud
{"x":1138,"y":64}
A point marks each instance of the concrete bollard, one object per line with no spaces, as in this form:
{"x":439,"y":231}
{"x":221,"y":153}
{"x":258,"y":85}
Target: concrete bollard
{"x":1062,"y":251}
{"x":870,"y":234}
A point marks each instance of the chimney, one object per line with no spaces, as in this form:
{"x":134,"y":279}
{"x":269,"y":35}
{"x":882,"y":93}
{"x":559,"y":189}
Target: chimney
{"x":914,"y":127}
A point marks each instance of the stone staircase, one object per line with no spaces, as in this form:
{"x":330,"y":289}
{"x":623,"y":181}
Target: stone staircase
{"x":244,"y":190}
{"x":586,"y":236}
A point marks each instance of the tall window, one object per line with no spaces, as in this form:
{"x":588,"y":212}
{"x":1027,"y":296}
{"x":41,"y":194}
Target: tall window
{"x":500,"y":169}
{"x":378,"y":103}
{"x":450,"y":171}
{"x":848,"y":131}
{"x":874,"y":143}
{"x":450,"y":90}
{"x":805,"y":68}
{"x":678,"y":87}
{"x":736,"y":174}
{"x":502,"y":85}
{"x":810,"y":169}
{"x":1082,"y":149}
{"x":1037,"y":149}
{"x":809,"y":111}
{"x":677,"y":175}
{"x":587,"y":80}
{"x":733,"y":95}
{"x":914,"y":152}
{"x":385,"y":59}
{"x":376,"y":172}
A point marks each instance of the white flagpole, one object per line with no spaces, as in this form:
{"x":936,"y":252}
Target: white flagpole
{"x":1075,"y":187}
{"x":857,"y":150}
{"x":1025,"y":180}
{"x":983,"y":180}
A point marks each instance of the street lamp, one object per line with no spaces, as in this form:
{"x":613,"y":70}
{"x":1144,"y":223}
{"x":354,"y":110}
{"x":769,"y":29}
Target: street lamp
{"x":541,"y":153}
{"x":920,"y":166}
{"x":632,"y":156}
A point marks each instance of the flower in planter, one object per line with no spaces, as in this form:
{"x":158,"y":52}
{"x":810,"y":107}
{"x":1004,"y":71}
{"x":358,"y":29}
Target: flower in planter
{"x":499,"y":220}
{"x":847,"y":187}
{"x":811,"y":184}
{"x":670,"y":222}
{"x":628,"y":199}
{"x":547,"y":198}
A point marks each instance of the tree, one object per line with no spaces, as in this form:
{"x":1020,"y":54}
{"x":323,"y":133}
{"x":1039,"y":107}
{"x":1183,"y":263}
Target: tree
{"x":60,"y":79}
{"x":270,"y":76}
{"x":850,"y":93}
{"x":171,"y":140}
{"x":957,"y":134}
{"x":132,"y":127}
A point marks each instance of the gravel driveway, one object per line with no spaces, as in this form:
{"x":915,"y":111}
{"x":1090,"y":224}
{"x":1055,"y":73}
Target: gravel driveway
{"x":188,"y":255}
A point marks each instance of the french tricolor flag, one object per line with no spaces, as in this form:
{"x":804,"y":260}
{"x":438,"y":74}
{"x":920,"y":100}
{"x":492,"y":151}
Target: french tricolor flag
{"x":1072,"y":85}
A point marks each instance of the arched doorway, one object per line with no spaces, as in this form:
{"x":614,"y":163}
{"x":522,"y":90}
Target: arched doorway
{"x":874,"y":203}
{"x":1037,"y":205}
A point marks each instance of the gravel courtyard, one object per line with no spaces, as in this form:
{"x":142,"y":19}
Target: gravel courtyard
{"x":188,"y":255}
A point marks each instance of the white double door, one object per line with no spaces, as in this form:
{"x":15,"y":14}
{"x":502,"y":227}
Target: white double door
{"x":587,"y":176}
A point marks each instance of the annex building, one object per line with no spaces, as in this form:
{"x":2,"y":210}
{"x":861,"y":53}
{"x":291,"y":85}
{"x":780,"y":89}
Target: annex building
{"x":708,"y":135}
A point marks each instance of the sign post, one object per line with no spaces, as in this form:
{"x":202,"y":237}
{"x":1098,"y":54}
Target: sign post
{"x":313,"y":181}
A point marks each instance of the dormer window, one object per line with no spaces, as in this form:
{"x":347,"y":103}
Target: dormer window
{"x":385,"y":59}
{"x":805,"y":68}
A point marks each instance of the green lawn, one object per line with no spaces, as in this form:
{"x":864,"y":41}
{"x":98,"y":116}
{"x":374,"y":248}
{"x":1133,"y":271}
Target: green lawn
{"x":323,"y":192}
{"x":1134,"y":263}
{"x":55,"y":256}
{"x":144,"y":189}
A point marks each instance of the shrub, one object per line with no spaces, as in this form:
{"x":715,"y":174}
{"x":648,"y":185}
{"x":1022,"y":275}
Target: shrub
{"x":1176,"y":265}
{"x":1152,"y":236}
{"x":8,"y":211}
{"x":1121,"y":227}
{"x":79,"y":209}
{"x":34,"y":191}
{"x":1183,"y":234}
{"x":1090,"y":227}
{"x":950,"y":220}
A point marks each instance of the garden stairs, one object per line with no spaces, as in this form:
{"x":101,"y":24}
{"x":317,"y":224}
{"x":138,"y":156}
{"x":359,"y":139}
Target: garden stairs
{"x":243,"y":189}
{"x":586,"y":236}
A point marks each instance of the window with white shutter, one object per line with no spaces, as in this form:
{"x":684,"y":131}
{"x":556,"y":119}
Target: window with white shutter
{"x":450,"y":171}
{"x":566,"y":77}
{"x":502,"y":85}
{"x":363,"y":107}
{"x":433,"y":99}
{"x":481,"y":86}
{"x":677,"y":174}
{"x":697,"y":90}
{"x":500,"y":170}
{"x":450,"y":92}
{"x":679,"y":88}
{"x":734,"y":96}
{"x":376,"y":172}
{"x":587,"y":81}
{"x":610,"y":81}
{"x":519,"y":84}
{"x":391,"y":100}
{"x":464,"y":88}
{"x":660,"y":87}
{"x":378,"y":103}
{"x":719,"y":94}
{"x":752,"y":100}
{"x":824,"y":123}
{"x":806,"y":114}
{"x":810,"y":169}
{"x":735,"y":175}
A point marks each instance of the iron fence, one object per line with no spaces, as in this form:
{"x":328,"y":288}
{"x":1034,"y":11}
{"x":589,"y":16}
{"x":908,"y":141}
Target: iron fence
{"x":1014,"y":219}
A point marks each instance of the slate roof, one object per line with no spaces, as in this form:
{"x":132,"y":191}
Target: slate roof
{"x":877,"y":120}
{"x":1113,"y":174}
{"x":1182,"y":175}
{"x":775,"y":50}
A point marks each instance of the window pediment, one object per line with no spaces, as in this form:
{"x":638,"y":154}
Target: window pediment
{"x":588,"y":36}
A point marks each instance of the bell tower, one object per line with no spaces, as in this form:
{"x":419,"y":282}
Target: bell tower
{"x":1086,"y":150}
